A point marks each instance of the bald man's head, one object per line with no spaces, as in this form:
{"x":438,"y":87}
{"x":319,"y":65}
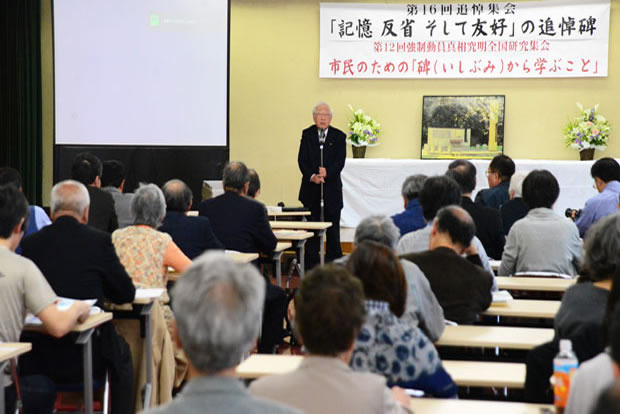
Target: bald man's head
{"x":178,"y":196}
{"x":456,"y":223}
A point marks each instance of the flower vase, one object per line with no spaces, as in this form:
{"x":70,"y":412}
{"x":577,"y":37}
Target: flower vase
{"x":586,"y":154}
{"x":359,"y":152}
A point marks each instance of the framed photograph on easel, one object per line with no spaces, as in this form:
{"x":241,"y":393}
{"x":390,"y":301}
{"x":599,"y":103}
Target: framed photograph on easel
{"x":463,"y":126}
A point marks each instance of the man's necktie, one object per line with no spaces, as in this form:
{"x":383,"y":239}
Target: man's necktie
{"x":321,"y":136}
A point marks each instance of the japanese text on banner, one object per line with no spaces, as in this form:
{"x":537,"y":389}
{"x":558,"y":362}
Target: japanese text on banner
{"x":537,"y":39}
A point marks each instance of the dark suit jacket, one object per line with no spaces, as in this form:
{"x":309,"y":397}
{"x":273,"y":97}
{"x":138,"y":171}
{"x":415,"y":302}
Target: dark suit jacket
{"x":309,"y":160}
{"x":102,"y":214}
{"x":512,"y":211}
{"x":239,"y":222}
{"x":79,"y":262}
{"x":489,"y":227}
{"x":193,"y":235}
{"x":494,"y":197}
{"x":462,"y":286}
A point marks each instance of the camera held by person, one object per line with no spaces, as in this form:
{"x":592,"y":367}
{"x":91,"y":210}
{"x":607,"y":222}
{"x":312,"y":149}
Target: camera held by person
{"x":572,"y":213}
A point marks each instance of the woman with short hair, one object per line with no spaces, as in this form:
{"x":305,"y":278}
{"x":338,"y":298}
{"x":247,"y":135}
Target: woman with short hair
{"x":542,"y":241}
{"x":146,"y":254}
{"x":385,"y":345}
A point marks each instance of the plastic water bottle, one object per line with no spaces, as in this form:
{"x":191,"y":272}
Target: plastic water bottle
{"x":564,"y":366}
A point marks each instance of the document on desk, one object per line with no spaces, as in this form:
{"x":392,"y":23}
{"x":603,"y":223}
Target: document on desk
{"x":502,"y":296}
{"x":63,"y":304}
{"x":151,"y":293}
{"x":544,"y":274}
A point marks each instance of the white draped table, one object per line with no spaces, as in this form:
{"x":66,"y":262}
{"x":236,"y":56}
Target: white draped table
{"x":372,"y":186}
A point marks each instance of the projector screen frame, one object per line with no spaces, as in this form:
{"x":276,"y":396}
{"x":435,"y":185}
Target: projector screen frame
{"x":198,"y":163}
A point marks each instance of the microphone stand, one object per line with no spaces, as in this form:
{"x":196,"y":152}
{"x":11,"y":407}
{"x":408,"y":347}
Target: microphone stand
{"x":322,"y":198}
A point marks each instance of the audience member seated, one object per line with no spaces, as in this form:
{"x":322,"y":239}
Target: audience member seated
{"x":386,"y":345}
{"x":87,"y":169}
{"x":437,"y":192}
{"x":329,"y":312}
{"x":606,"y":175}
{"x":113,"y":182}
{"x":542,"y":241}
{"x":147,"y":253}
{"x":193,"y":235}
{"x":79,"y":262}
{"x":24,"y":289}
{"x":38,"y":218}
{"x":240,"y":223}
{"x":461,"y":285}
{"x":500,"y":170}
{"x":218,"y":304}
{"x":515,"y":208}
{"x":488,"y":221}
{"x":254,"y":185}
{"x":412,"y":218}
{"x":582,"y":312}
{"x":422,"y":308}
{"x":598,"y":373}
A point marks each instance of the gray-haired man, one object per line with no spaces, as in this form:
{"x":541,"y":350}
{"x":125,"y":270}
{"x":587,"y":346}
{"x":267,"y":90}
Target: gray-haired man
{"x":218,"y":305}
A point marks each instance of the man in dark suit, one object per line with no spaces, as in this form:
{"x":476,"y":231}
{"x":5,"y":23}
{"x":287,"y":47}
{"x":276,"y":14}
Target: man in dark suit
{"x":193,"y":235}
{"x":461,"y":285}
{"x":80,"y":262}
{"x":241,"y":224}
{"x":326,"y":175}
{"x":87,"y":169}
{"x":488,"y":221}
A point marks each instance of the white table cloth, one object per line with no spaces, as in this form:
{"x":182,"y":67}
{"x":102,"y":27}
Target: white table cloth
{"x":372,"y":186}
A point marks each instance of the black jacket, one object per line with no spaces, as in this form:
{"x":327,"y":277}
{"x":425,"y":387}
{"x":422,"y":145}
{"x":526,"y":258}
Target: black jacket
{"x":239,"y":222}
{"x":102,"y":214}
{"x":512,"y":211}
{"x":489,"y":227}
{"x":309,"y":160}
{"x":462,"y":286}
{"x":79,"y":262}
{"x":193,"y":235}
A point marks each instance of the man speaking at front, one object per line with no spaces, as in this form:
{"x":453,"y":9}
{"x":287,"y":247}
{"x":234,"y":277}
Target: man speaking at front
{"x":325,"y":176}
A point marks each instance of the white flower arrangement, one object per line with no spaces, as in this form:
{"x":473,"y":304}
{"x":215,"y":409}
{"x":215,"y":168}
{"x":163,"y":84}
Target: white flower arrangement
{"x":588,"y":130}
{"x":363,"y":130}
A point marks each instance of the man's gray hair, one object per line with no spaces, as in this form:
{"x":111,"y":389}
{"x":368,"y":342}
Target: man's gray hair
{"x":178,"y":195}
{"x":148,"y":206}
{"x":516,"y":183}
{"x":602,"y":243}
{"x":69,"y":195}
{"x":412,"y":186}
{"x":331,"y":113}
{"x":379,"y":229}
{"x":235,"y":175}
{"x":218,"y":305}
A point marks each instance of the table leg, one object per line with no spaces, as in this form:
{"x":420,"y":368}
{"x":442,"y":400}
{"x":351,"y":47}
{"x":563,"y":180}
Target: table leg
{"x":277,"y":267}
{"x":146,"y":312}
{"x":87,"y":354}
{"x":2,"y":368}
{"x":322,"y":246}
{"x":302,"y":258}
